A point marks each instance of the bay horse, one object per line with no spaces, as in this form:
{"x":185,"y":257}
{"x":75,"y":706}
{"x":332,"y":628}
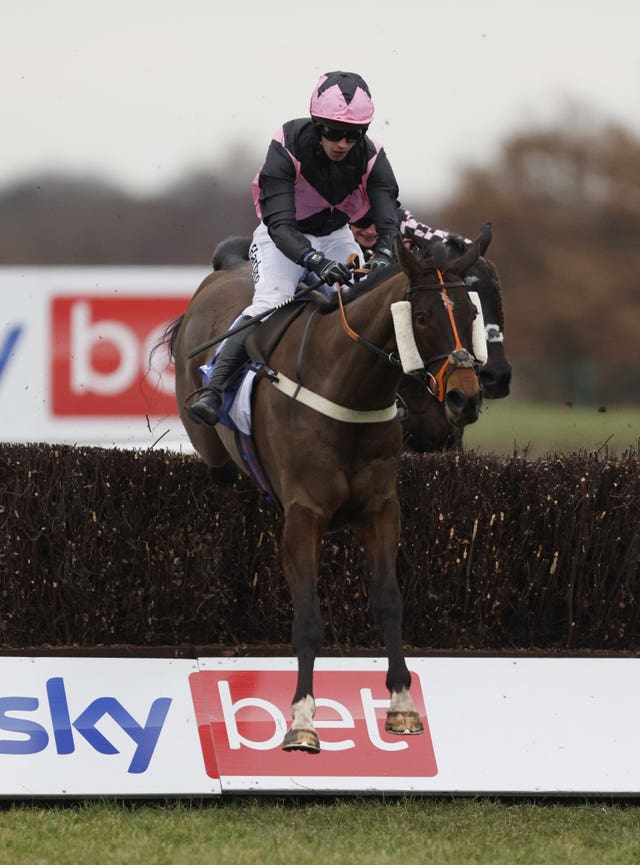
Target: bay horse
{"x":335,"y":462}
{"x":424,"y":420}
{"x":425,"y":424}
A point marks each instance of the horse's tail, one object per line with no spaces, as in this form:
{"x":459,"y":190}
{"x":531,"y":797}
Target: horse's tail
{"x":167,"y":337}
{"x":230,"y":253}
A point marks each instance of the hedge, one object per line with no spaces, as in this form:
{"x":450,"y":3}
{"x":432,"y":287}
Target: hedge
{"x":105,"y":547}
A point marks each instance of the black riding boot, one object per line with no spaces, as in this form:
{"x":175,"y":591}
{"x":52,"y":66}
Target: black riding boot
{"x":208,"y":408}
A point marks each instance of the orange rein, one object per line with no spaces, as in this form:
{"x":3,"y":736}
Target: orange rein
{"x":345,"y":324}
{"x":441,"y":375}
{"x":352,"y":261}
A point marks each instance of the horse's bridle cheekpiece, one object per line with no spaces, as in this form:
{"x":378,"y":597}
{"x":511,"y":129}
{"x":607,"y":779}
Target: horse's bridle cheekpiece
{"x":458,"y":358}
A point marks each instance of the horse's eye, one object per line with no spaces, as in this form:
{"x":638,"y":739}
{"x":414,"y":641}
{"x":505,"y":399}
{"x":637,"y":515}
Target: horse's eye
{"x":420,"y":318}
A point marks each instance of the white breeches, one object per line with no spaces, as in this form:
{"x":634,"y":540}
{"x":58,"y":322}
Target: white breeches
{"x":276,"y":277}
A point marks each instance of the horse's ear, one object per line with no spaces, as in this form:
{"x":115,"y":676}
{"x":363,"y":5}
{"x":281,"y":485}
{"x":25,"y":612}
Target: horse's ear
{"x":484,"y":238}
{"x":475,"y":249}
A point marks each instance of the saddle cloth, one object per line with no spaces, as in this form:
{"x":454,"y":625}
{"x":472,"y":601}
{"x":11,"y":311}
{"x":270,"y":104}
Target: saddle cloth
{"x":237,"y":418}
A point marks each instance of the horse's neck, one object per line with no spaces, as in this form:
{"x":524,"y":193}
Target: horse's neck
{"x":370,"y":314}
{"x":351,"y":366}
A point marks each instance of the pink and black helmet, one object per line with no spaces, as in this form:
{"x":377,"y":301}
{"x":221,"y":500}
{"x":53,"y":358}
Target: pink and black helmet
{"x":342,"y":97}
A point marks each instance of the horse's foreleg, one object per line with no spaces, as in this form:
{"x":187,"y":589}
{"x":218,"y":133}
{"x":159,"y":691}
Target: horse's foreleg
{"x":301,"y":552}
{"x":380,"y":535}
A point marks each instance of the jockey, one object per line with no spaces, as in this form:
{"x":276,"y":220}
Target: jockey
{"x":320,"y":174}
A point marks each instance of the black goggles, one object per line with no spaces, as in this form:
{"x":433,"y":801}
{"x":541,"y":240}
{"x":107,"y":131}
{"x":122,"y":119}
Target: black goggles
{"x":332,"y":133}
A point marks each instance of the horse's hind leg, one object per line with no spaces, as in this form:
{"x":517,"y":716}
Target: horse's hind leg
{"x":379,"y":535}
{"x":302,"y":535}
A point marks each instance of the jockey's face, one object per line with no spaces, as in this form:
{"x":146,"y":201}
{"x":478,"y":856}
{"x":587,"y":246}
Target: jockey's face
{"x":336,"y":150}
{"x":366,"y":237}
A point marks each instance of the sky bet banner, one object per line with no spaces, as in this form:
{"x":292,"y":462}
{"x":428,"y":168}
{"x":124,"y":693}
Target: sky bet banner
{"x":75,"y":727}
{"x":75,"y":345}
{"x":97,"y":726}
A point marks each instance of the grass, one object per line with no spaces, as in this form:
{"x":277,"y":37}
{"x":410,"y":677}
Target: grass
{"x":332,"y":831}
{"x":507,"y":427}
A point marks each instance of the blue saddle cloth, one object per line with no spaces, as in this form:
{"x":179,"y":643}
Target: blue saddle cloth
{"x":242,"y":388}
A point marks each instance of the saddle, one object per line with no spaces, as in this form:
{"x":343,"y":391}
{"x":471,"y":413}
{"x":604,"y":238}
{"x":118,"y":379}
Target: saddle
{"x":262,"y":340}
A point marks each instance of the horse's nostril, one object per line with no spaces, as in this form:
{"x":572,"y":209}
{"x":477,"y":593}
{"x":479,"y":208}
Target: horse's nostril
{"x":456,"y":400}
{"x":495,"y":383}
{"x":462,"y":408}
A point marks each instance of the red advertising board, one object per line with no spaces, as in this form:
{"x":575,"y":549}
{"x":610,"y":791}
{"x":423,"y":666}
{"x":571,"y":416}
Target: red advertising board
{"x":242,"y":716}
{"x":100,"y":355}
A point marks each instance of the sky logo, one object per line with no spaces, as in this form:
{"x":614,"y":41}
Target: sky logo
{"x":34,"y":737}
{"x":8,"y":345}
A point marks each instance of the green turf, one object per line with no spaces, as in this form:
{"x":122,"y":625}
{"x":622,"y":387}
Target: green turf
{"x":507,"y":426}
{"x":352,"y":831}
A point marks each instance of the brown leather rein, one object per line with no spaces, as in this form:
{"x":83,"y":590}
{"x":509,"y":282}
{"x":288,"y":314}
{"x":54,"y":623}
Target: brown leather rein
{"x":458,"y":358}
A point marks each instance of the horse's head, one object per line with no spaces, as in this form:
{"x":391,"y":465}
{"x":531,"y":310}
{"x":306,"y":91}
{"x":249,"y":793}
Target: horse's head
{"x":442,"y":317}
{"x":495,"y":375}
{"x":482,"y":277}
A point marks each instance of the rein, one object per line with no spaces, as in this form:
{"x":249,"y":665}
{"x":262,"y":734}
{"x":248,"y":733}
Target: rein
{"x":458,"y":358}
{"x":356,"y":337}
{"x":296,"y":391}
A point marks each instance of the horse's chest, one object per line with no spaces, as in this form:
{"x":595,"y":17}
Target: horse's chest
{"x":377,"y":477}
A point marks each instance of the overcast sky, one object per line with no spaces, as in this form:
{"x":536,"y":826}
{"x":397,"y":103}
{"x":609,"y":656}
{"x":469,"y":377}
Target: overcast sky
{"x":143,"y":91}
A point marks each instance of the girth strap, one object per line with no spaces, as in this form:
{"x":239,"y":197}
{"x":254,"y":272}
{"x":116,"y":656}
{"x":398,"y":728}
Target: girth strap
{"x":326,"y":407}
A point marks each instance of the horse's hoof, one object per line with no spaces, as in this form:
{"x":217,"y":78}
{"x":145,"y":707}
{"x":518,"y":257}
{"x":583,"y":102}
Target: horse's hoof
{"x":404,"y":723}
{"x":301,"y":740}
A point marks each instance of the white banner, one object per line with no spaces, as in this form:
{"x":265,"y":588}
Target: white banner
{"x":492,"y":725}
{"x":99,"y":727}
{"x":74,"y":354}
{"x":154,"y":727}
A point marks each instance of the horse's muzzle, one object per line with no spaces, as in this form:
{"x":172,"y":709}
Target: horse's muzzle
{"x":462,"y":408}
{"x":495,"y":381}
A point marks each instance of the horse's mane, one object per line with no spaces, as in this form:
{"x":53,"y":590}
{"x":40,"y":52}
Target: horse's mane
{"x":456,"y":243}
{"x":493,"y":270}
{"x":493,"y":273}
{"x":379,"y":275}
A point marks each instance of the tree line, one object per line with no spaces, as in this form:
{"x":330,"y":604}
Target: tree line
{"x":565,"y":206}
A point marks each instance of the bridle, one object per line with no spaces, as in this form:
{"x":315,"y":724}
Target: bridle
{"x":391,"y":357}
{"x":458,"y":358}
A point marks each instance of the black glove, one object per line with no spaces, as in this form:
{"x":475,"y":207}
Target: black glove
{"x":382,"y":252}
{"x":378,"y":259}
{"x":329,"y":271}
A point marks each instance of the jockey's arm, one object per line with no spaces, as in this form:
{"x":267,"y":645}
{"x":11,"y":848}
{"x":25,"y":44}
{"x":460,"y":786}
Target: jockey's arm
{"x":382,"y":191}
{"x":278,"y":206}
